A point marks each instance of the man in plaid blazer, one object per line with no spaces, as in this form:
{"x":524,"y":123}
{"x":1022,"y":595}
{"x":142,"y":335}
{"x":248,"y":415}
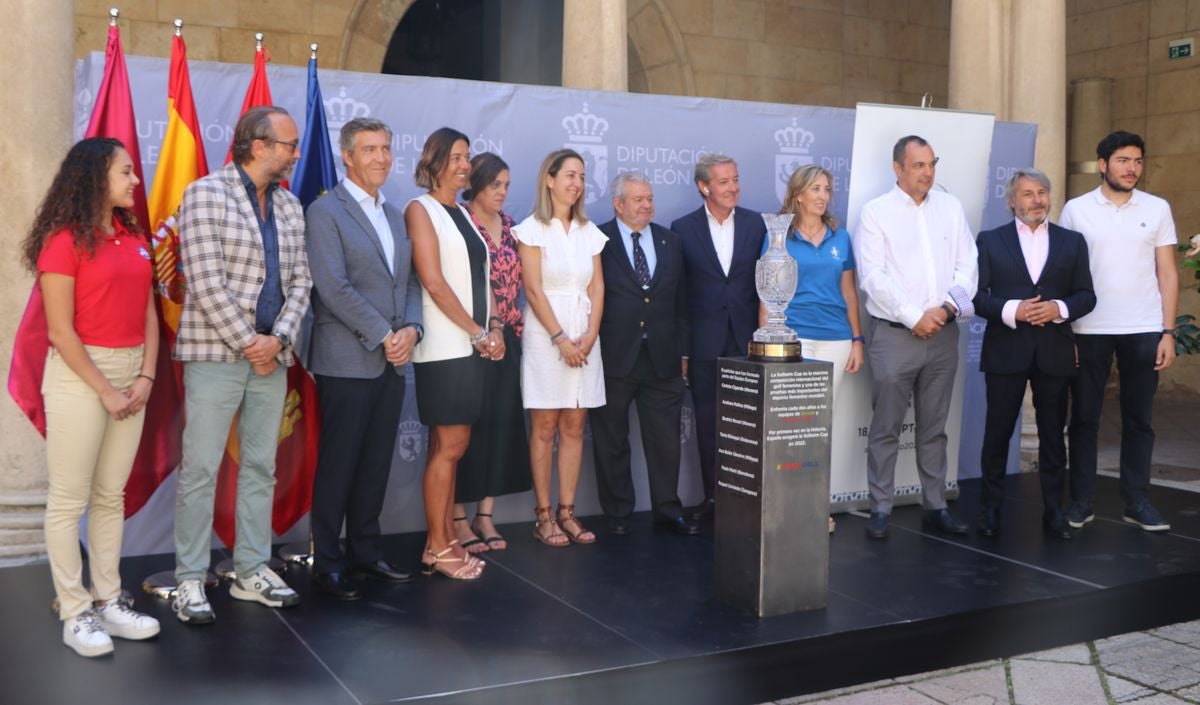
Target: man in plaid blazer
{"x":242,"y":247}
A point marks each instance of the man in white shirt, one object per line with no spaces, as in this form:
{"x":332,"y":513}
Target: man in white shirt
{"x":1033,"y":280}
{"x":917,"y":263}
{"x":721,"y":244}
{"x":1131,"y":241}
{"x":366,"y":320}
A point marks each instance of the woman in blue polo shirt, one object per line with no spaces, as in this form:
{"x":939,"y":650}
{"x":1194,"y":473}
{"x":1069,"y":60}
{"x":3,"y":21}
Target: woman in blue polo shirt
{"x":824,"y":310}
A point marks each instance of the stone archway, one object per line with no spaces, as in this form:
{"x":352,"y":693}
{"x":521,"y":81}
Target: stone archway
{"x":662,"y":64}
{"x":369,"y":29}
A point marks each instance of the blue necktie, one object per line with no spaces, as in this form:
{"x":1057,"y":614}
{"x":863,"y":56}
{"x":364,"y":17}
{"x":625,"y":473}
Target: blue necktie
{"x":639,"y":261}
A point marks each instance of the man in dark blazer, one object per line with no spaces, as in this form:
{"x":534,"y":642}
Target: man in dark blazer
{"x":366,"y":320}
{"x":643,"y":338}
{"x":721,"y":244}
{"x":1033,"y":280}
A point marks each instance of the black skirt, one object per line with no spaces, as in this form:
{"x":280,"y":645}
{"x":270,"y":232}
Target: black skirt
{"x":497,"y":461}
{"x":450,"y":392}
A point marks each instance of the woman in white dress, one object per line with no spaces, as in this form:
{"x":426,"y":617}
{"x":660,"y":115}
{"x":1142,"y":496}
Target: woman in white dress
{"x":561,"y":372}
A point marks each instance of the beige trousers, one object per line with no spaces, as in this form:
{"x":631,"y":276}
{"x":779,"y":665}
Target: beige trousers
{"x":89,"y":456}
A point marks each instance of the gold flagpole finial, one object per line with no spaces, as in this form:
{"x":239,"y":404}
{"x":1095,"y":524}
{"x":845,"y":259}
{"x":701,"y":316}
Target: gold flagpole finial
{"x":258,"y":40}
{"x":178,"y":27}
{"x":312,"y":48}
{"x":113,"y":14}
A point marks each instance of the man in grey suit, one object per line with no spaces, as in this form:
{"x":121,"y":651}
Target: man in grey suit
{"x":366,"y":313}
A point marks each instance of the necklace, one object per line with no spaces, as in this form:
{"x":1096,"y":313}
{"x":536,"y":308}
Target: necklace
{"x":811,"y":236}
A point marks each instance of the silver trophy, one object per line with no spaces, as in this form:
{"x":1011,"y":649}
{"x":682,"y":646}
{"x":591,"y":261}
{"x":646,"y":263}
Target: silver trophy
{"x":775,"y":279}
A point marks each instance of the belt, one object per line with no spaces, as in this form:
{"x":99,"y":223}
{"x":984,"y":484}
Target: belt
{"x":891,"y":324}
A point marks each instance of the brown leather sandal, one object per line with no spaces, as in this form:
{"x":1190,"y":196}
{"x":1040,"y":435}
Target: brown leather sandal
{"x":543,"y":519}
{"x":581,"y":534}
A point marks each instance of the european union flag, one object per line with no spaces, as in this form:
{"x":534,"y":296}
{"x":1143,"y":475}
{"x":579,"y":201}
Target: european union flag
{"x":316,"y":172}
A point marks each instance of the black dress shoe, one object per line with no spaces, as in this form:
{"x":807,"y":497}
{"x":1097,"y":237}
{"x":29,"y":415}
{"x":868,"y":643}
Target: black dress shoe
{"x":1057,"y":527}
{"x":942,"y":521}
{"x":679,"y":525}
{"x":617,"y":527}
{"x":337,"y":584}
{"x":877,"y":525}
{"x":382,"y":570}
{"x":700,"y":512}
{"x":989,"y":523}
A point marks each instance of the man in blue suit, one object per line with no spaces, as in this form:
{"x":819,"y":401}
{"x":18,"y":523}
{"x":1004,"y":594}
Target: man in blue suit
{"x":1034,"y":280}
{"x":721,"y":244}
{"x":366,"y":320}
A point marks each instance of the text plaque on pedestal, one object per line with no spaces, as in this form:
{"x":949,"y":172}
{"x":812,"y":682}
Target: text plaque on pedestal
{"x":772,"y":538}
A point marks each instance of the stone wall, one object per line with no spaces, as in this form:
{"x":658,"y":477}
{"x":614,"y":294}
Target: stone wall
{"x":1126,"y":41}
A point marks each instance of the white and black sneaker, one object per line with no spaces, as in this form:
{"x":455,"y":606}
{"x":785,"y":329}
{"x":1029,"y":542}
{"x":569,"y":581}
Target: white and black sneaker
{"x":191,"y":605}
{"x":265,"y":586}
{"x":85,"y":634}
{"x":122,"y":621}
{"x":1147,"y":517}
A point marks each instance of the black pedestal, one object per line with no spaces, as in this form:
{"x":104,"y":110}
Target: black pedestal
{"x":772,"y":538}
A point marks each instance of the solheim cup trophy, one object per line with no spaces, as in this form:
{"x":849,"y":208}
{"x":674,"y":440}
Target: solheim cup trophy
{"x":775,"y":280}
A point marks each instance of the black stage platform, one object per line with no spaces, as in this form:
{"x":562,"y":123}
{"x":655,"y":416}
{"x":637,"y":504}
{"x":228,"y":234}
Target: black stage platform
{"x":632,"y":619}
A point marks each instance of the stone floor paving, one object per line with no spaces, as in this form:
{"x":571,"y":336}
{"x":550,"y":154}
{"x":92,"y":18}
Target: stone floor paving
{"x":1156,"y":667}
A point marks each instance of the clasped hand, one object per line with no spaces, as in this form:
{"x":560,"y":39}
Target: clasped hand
{"x":492,"y":347}
{"x":261,"y":353}
{"x":398,"y":346}
{"x":1036,"y":312}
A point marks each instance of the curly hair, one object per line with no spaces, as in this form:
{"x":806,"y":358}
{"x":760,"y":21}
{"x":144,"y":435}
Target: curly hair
{"x":76,"y":199}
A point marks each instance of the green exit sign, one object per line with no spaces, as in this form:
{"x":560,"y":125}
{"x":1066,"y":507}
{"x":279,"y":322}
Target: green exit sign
{"x":1179,"y":49}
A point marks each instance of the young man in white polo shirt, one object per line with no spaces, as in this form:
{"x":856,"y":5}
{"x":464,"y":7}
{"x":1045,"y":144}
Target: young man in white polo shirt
{"x":1131,"y":240}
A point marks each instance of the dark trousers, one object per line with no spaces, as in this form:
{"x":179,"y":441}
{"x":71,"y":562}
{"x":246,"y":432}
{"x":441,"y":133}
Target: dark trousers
{"x":359,"y":420}
{"x":702,"y":378}
{"x":1005,"y":394}
{"x":659,"y":404}
{"x":1135,"y":353}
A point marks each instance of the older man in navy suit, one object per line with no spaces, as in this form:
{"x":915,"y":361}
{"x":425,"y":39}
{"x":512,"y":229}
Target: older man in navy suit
{"x":366,"y":320}
{"x":721,"y":244}
{"x":643,"y":336}
{"x":1033,"y":280}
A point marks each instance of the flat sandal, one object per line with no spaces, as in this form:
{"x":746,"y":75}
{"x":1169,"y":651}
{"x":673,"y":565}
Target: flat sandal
{"x":554,"y":528}
{"x":576,"y":536}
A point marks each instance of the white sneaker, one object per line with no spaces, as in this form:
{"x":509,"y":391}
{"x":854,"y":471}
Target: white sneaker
{"x":264,"y":586}
{"x":191,"y":605}
{"x":85,"y":634}
{"x":121,"y":620}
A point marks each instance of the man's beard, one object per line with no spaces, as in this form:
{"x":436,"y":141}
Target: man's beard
{"x":1120,"y":188}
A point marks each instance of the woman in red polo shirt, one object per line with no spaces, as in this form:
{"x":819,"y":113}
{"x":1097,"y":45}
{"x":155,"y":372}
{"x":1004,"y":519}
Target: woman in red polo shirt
{"x":93,"y":266}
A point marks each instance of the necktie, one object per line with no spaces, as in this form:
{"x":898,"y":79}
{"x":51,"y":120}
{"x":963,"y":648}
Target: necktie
{"x":639,"y":261}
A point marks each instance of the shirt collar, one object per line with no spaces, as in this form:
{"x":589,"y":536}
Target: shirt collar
{"x":1134,"y":198}
{"x":906,"y":199}
{"x":252,"y":187}
{"x":1023,"y":230}
{"x":713,"y":218}
{"x":359,"y":194}
{"x":627,"y":232}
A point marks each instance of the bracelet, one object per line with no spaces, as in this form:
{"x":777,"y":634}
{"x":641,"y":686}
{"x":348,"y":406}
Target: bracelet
{"x":499,"y":324}
{"x":497,"y":319}
{"x":858,"y":339}
{"x":143,"y":374}
{"x":556,"y":337}
{"x":479,"y":337}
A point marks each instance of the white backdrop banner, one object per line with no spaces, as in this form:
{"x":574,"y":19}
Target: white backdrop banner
{"x":659,"y":135}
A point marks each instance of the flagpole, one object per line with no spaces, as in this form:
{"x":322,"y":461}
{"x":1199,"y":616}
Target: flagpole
{"x":299,"y":552}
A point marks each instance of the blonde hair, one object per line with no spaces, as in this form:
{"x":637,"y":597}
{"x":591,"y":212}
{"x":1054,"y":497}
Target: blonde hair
{"x":801,"y":179}
{"x":543,"y":207}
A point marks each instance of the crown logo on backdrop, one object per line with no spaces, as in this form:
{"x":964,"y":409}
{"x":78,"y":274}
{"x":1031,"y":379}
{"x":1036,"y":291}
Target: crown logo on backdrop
{"x":794,"y":139}
{"x":342,"y":110}
{"x":584,"y":126}
{"x":411,"y":426}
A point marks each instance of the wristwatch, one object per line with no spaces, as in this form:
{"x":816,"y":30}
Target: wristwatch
{"x":950,"y":314}
{"x":1168,"y":331}
{"x":284,"y":340}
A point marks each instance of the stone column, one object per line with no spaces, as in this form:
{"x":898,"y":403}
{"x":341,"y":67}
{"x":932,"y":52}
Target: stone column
{"x":1038,"y":75}
{"x":1091,"y":120}
{"x":595,"y":45}
{"x":38,"y":58}
{"x":978,"y":57}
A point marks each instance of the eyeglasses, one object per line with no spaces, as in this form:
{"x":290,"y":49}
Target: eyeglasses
{"x":290,"y":145}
